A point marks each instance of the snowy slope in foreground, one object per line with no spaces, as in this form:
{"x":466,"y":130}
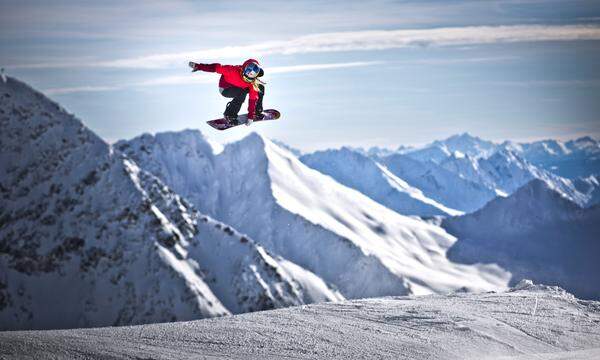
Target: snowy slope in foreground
{"x":344,"y":237}
{"x":533,"y":322}
{"x":360,"y":172}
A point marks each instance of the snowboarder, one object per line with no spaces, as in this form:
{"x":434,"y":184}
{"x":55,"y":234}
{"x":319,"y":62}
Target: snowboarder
{"x":237,"y":81}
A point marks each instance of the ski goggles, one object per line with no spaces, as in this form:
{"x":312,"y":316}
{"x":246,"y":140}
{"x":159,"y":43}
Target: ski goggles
{"x":251,"y":71}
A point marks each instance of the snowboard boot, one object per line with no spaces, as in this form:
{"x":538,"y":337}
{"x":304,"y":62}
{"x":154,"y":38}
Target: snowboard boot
{"x":258,"y":111}
{"x":232,"y":119}
{"x":230,"y":115}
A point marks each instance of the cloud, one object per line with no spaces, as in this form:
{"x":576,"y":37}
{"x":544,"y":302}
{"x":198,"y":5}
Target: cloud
{"x":203,"y":78}
{"x":354,"y":41}
{"x":550,"y":83}
{"x":77,"y":89}
{"x":315,"y":67}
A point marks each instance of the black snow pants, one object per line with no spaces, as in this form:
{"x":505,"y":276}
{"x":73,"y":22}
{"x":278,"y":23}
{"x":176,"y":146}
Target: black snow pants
{"x":239,"y":96}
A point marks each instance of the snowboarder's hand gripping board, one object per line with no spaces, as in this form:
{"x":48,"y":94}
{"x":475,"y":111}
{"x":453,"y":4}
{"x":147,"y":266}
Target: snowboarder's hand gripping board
{"x":223,"y":124}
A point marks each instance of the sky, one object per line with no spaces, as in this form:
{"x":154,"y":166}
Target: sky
{"x":357,"y":73}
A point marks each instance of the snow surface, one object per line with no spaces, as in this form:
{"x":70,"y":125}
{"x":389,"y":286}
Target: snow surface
{"x":505,"y":167}
{"x":90,"y":239}
{"x":502,"y":169}
{"x":438,"y":183}
{"x":176,"y":227}
{"x":350,"y":241}
{"x":528,"y":322}
{"x":590,"y":188}
{"x":571,"y":159}
{"x":360,"y":172}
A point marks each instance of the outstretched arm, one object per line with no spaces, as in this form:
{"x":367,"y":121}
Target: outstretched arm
{"x":216,"y":67}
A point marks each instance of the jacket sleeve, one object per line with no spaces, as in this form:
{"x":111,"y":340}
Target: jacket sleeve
{"x":228,"y":70}
{"x":208,"y":67}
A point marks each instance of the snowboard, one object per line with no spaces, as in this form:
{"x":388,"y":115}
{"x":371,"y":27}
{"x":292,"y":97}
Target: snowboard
{"x":222,"y":124}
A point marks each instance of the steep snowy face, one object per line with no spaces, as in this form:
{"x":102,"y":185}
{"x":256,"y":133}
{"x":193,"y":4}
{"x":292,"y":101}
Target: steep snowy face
{"x":535,"y":233}
{"x":437,"y":183}
{"x":80,"y":244}
{"x":348,"y":239}
{"x":340,"y":235}
{"x":590,"y":188}
{"x":373,"y":179}
{"x":507,"y":171}
{"x":89,"y":239}
{"x":464,"y":144}
{"x":571,"y":159}
{"x":242,"y":274}
{"x":281,"y":144}
{"x":504,"y":171}
{"x":435,"y":153}
{"x":185,"y":161}
{"x":469,"y":145}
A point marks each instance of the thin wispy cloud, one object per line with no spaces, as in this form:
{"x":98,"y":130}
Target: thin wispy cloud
{"x":78,"y":89}
{"x":354,"y":41}
{"x":203,"y":78}
{"x":550,"y":83}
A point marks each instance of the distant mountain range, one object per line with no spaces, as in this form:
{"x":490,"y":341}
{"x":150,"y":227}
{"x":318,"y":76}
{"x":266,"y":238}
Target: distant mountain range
{"x":171,"y":227}
{"x":465,"y":172}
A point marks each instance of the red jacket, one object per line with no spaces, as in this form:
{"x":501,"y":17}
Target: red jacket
{"x":231,"y":75}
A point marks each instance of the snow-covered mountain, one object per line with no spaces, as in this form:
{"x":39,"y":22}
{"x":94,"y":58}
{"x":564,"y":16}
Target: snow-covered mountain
{"x":357,"y":171}
{"x":89,"y":239}
{"x":590,"y":188}
{"x":463,"y":144}
{"x":528,"y":322}
{"x":438,"y":183}
{"x":535,"y":233}
{"x":571,"y":159}
{"x":344,"y":237}
{"x":377,"y":151}
{"x":505,"y":172}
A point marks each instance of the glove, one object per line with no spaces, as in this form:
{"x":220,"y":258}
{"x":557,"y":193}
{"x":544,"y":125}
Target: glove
{"x":193,"y":66}
{"x":251,"y":118}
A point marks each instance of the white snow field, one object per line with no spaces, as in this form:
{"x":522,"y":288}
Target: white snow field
{"x":438,"y":183}
{"x":528,"y":322}
{"x":358,"y":171}
{"x":362,"y":248}
{"x":87,"y":238}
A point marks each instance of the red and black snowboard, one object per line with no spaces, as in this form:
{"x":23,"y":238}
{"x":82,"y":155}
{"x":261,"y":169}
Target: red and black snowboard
{"x":222,"y":124}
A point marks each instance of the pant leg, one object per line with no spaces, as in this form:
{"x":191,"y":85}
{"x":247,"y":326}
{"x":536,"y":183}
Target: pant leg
{"x":259,"y":102}
{"x":238,"y":95}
